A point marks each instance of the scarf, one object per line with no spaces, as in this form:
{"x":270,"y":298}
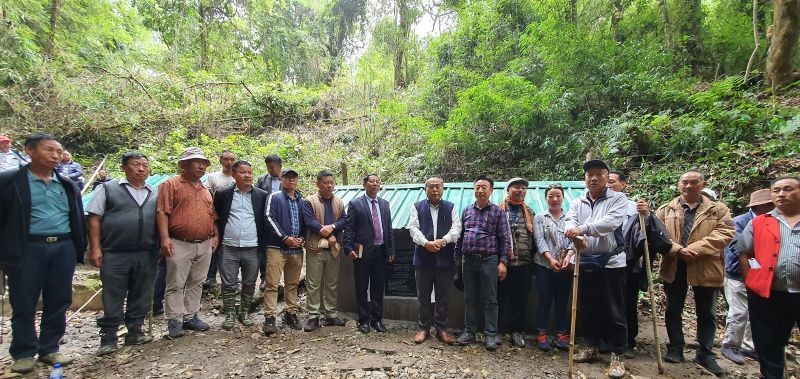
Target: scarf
{"x":528,"y":218}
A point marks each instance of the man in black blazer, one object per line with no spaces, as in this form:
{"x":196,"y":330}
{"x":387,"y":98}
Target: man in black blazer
{"x":242,"y":241}
{"x":44,"y":234}
{"x":369,"y":242}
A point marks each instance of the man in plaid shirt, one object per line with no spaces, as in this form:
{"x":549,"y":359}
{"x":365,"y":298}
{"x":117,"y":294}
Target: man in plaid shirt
{"x":483,"y":248}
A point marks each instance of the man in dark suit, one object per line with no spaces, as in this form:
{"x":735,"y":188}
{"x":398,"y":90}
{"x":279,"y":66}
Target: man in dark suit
{"x":43,"y":234}
{"x":269,"y":182}
{"x":369,"y":242}
{"x":243,"y":240}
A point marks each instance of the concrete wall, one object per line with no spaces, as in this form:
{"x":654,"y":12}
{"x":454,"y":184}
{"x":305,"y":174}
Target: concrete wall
{"x":405,"y":308}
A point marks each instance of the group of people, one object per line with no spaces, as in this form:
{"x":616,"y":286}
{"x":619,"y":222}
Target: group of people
{"x":240,"y":227}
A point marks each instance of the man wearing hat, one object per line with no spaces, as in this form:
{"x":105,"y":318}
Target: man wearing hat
{"x":285,"y":239}
{"x":188,"y":236}
{"x":10,"y":159}
{"x":594,"y":223}
{"x":700,"y":229}
{"x":369,"y":242}
{"x":434,"y":226}
{"x":737,"y":342}
{"x":325,"y":220}
{"x":512,"y":293}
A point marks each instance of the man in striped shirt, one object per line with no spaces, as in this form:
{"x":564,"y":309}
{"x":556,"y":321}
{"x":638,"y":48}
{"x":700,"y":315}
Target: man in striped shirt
{"x":482,"y":251}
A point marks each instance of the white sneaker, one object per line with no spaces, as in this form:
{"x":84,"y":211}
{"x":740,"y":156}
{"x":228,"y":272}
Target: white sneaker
{"x":616,"y":369}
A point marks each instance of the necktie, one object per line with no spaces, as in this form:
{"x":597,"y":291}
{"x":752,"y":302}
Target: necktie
{"x":376,"y":223}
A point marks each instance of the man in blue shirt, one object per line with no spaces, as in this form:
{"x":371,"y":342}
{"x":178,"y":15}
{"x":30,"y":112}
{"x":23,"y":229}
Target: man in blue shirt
{"x":43,"y":234}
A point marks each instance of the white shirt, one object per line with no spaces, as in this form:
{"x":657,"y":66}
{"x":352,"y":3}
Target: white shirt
{"x":217,"y":180}
{"x":419,"y":238}
{"x":9,"y":161}
{"x":98,"y":203}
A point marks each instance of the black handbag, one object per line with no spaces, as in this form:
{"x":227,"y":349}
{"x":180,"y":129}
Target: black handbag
{"x":591,"y":262}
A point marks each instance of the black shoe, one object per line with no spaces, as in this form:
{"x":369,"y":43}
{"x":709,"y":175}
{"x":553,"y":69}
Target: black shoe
{"x":311,"y":325}
{"x":378,"y":326}
{"x":158,"y":310}
{"x":135,"y":336}
{"x":363,"y":327}
{"x":491,"y":342}
{"x":269,"y":327}
{"x":710,"y":364}
{"x":209,"y":283}
{"x":604,"y":347}
{"x":108,"y":342}
{"x":334,"y":321}
{"x":674,"y":355}
{"x":290,"y":320}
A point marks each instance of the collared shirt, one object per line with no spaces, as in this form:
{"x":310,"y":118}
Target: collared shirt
{"x":9,"y":161}
{"x":548,"y":238}
{"x":688,"y":220}
{"x":218,"y":180}
{"x":240,"y":231}
{"x":377,"y":203}
{"x":787,"y":268}
{"x":72,"y":170}
{"x":419,"y":238}
{"x":276,"y":183}
{"x":98,"y":203}
{"x":189,"y":207}
{"x":484,"y":231}
{"x":49,"y":206}
{"x":295,"y":207}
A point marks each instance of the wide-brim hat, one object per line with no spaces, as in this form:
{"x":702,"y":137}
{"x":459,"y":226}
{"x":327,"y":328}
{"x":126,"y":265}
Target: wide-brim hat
{"x":762,"y":196}
{"x":513,"y":181}
{"x":595,"y":163}
{"x":193,"y":153}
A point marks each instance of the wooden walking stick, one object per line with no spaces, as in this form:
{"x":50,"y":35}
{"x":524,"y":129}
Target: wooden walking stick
{"x":649,"y":273}
{"x":574,"y":309}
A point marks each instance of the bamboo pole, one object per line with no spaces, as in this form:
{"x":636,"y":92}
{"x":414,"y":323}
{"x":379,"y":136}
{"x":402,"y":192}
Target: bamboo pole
{"x":575,"y":276}
{"x":91,"y":178}
{"x":649,"y":273}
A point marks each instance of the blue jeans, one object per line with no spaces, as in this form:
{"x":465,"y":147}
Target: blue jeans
{"x":46,"y":269}
{"x":552,"y":286}
{"x":480,"y":284}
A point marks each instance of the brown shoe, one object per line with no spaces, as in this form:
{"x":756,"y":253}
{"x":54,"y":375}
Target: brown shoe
{"x":421,"y":336}
{"x":445,"y":337}
{"x":587,"y":355}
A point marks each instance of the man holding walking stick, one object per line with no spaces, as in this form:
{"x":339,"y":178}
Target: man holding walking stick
{"x":597,"y":217}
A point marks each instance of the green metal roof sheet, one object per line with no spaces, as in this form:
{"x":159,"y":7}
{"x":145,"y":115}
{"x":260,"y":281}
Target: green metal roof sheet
{"x":401,"y":197}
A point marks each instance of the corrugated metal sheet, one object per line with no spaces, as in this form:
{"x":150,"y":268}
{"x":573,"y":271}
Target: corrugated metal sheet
{"x":402,"y":196}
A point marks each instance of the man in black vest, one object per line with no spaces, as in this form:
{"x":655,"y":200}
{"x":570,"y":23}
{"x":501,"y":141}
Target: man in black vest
{"x":435,"y":227}
{"x":124,"y":245}
{"x":43,"y":235}
{"x":369,"y":242}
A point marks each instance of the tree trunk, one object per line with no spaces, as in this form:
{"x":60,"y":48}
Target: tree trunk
{"x":785,"y":30}
{"x":755,"y":40}
{"x":688,"y":19}
{"x":201,"y":14}
{"x":662,"y":4}
{"x":616,"y":16}
{"x":403,"y":33}
{"x":49,"y":47}
{"x":573,"y":10}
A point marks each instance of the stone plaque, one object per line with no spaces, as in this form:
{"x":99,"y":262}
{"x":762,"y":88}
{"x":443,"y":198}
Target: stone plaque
{"x":400,"y":280}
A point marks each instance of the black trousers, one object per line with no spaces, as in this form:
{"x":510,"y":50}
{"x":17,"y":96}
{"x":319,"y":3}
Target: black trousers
{"x":632,"y":287}
{"x":370,"y":275}
{"x":512,"y":298}
{"x":771,"y":321}
{"x":45,"y":270}
{"x":428,"y":281}
{"x":160,"y":285}
{"x":601,"y":298}
{"x":705,"y":299}
{"x":213,"y":267}
{"x":128,"y":279}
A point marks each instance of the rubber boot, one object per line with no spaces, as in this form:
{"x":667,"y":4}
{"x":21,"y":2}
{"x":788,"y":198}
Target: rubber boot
{"x":229,"y":304}
{"x":244,"y":307}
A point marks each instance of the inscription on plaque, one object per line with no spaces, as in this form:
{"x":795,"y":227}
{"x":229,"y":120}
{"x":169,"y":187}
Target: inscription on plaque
{"x":401,"y":281}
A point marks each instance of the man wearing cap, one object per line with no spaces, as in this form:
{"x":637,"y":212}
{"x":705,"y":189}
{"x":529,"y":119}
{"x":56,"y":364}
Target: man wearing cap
{"x":434,"y":226}
{"x":284,"y":213}
{"x":700,"y":229}
{"x":594,"y":223}
{"x":124,"y":245}
{"x":216,"y":181}
{"x":325,"y":220}
{"x":737,"y":342}
{"x":188,"y":237}
{"x":512,"y":296}
{"x":482,"y":251}
{"x":369,"y":242}
{"x":43,"y":234}
{"x":10,"y":159}
{"x":771,"y":242}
